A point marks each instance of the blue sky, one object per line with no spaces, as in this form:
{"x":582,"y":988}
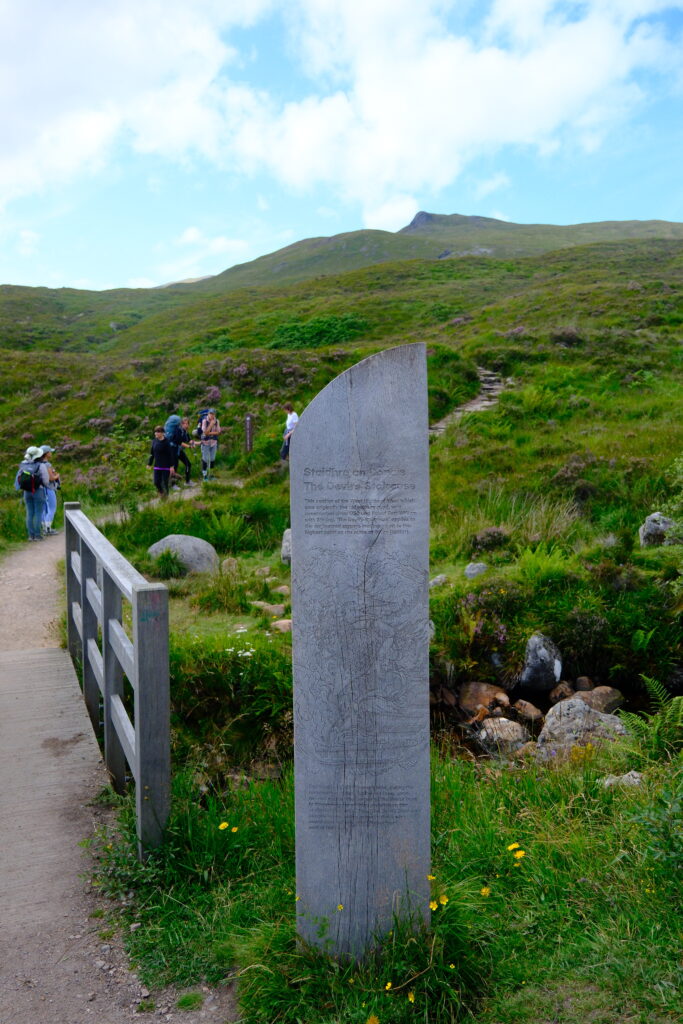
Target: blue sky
{"x":149,"y":141}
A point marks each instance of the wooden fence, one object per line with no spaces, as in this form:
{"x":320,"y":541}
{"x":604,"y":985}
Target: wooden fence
{"x":98,"y":579}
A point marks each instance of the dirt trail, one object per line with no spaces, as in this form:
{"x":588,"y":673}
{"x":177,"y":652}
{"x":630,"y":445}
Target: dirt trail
{"x":59,"y":964}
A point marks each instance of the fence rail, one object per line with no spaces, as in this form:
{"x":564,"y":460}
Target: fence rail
{"x":98,"y":580}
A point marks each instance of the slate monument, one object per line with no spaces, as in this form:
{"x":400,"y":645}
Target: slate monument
{"x":359,"y":482}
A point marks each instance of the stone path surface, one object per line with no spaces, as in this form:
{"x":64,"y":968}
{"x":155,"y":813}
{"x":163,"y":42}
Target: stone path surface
{"x":491,"y":387}
{"x":58,"y":962}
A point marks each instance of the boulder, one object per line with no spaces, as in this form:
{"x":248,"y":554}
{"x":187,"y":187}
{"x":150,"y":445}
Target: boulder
{"x":275,"y":610}
{"x":284,"y":590}
{"x":573,"y":723}
{"x":438,"y":581}
{"x":230,"y":566}
{"x":286,"y":548}
{"x":528,"y":712}
{"x":475,"y":569}
{"x":562,"y":691}
{"x":195,"y":554}
{"x":282,"y":625}
{"x":654,"y":530}
{"x":603,"y":698}
{"x":583,"y":683}
{"x":542,"y":664}
{"x":632,"y":778}
{"x":501,"y":736}
{"x":474,"y":696}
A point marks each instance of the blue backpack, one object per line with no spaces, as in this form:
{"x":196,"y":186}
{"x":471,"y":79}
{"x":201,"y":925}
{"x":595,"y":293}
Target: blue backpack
{"x":172,"y":429}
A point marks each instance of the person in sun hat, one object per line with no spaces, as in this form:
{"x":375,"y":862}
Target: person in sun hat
{"x":32,"y":479}
{"x":53,"y":486}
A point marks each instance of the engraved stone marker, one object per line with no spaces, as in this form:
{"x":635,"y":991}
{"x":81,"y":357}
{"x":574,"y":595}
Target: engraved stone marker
{"x":359,"y":482}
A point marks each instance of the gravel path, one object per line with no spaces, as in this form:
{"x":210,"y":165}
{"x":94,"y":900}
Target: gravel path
{"x":59,"y":962}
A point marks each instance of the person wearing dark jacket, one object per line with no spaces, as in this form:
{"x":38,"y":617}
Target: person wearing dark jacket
{"x":162,"y":458}
{"x":183,"y":441}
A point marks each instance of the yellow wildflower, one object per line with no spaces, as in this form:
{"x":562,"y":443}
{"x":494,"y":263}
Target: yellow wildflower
{"x":340,"y":906}
{"x":452,"y":966}
{"x":443,"y":899}
{"x":485,"y":891}
{"x":388,"y":986}
{"x":433,"y":905}
{"x":234,"y":828}
{"x":411,"y":997}
{"x":430,"y":878}
{"x":372,"y":1019}
{"x":519,"y":854}
{"x":223,"y":825}
{"x":513,"y":846}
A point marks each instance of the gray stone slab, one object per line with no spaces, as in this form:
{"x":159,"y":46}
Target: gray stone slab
{"x":359,"y":471}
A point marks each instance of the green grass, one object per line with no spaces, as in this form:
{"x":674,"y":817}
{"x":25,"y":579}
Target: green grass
{"x":590,"y":906}
{"x":548,"y":488}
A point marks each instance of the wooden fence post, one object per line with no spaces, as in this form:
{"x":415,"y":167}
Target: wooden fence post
{"x":152,"y":713}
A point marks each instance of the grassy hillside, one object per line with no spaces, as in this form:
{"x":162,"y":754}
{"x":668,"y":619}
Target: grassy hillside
{"x":58,"y":319}
{"x":548,"y":488}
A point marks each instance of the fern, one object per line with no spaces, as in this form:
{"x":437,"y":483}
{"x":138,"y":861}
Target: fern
{"x":657,"y":692}
{"x":659,"y":734}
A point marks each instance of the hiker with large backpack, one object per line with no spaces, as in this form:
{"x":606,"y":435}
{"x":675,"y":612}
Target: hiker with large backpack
{"x":211,"y":429}
{"x":173,"y":434}
{"x":32,"y":480}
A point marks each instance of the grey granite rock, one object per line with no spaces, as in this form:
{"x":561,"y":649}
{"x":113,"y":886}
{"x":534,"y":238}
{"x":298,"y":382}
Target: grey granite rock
{"x":195,"y":554}
{"x":542,"y":663}
{"x":654,"y":530}
{"x":573,"y":723}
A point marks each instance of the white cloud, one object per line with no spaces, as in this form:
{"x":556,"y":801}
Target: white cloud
{"x":391,"y":215}
{"x":28,"y":242}
{"x":397,"y":103}
{"x":492,"y":184}
{"x":192,"y":236}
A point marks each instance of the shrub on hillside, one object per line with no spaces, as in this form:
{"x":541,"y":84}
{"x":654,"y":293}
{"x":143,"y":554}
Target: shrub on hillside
{"x":320,"y":330}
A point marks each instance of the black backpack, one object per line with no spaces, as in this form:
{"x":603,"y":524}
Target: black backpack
{"x":29,"y":477}
{"x":198,"y":429}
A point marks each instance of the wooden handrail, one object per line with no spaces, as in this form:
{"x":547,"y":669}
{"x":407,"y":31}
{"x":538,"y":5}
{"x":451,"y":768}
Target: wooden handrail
{"x":98,"y":579}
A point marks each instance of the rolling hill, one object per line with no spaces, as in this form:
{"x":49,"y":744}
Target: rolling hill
{"x":66,"y":318}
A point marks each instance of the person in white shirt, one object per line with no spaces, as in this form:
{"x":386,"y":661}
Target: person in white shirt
{"x":292,"y":420}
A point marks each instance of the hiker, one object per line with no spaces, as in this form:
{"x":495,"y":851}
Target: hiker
{"x":211,"y":429}
{"x":161,"y":457}
{"x":32,"y":479}
{"x":54,"y":483}
{"x":292,"y":420}
{"x":185,"y":441}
